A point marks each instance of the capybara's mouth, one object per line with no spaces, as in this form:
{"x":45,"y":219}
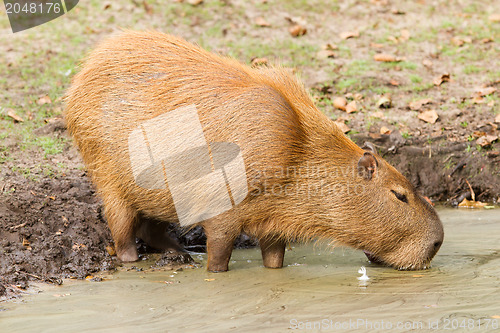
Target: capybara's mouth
{"x":411,"y":267}
{"x":374,"y":259}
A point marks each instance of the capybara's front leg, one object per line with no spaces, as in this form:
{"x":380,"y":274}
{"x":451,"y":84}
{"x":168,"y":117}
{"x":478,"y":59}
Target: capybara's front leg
{"x":122,"y":221}
{"x":219,"y":247}
{"x":273,"y":252}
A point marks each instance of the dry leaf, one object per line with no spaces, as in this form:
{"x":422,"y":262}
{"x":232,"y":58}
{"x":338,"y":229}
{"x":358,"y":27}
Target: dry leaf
{"x":440,"y":79}
{"x":324,"y":54}
{"x":429,"y":116}
{"x":330,"y":46}
{"x":471,"y":204}
{"x":342,"y":126}
{"x":147,"y":7}
{"x":494,"y":18}
{"x":497,"y":118}
{"x":376,"y":45}
{"x":111,"y":250}
{"x":384,"y":57}
{"x":259,"y":62}
{"x":351,"y":107}
{"x":297,"y":30}
{"x":349,"y":34}
{"x":478,"y":100}
{"x":427,"y":63}
{"x":394,"y":83}
{"x":11,"y":113}
{"x":261,"y":22}
{"x":340,"y":103}
{"x":378,"y":114}
{"x":485,"y":91}
{"x":44,"y":100}
{"x":486,"y":40}
{"x":194,"y":2}
{"x":209,"y":280}
{"x":385,"y":130}
{"x":486,"y":140}
{"x":417,"y":105}
{"x":385,"y":101}
{"x":405,"y":35}
{"x":459,"y":41}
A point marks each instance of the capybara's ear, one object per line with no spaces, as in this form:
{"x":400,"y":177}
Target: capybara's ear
{"x":368,"y":146}
{"x":367,"y":165}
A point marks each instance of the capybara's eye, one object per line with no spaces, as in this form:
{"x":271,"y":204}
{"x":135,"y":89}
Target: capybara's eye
{"x":400,"y":196}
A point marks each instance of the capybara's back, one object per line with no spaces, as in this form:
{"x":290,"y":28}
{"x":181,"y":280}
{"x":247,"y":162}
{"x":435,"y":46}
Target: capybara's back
{"x":147,"y":106}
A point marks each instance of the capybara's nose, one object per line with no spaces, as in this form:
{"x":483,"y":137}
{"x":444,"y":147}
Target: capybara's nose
{"x":434,"y":248}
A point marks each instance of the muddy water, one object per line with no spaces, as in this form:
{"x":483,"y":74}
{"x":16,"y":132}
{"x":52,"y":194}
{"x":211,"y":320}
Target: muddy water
{"x":319,"y":290}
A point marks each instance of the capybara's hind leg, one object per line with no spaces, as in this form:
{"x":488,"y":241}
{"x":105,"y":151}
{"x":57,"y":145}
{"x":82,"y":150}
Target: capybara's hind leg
{"x":220,"y":241}
{"x":154,"y":233}
{"x":122,"y":221}
{"x":273,"y":252}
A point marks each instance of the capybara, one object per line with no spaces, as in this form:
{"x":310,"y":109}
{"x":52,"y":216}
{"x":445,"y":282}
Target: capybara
{"x":305,"y":179}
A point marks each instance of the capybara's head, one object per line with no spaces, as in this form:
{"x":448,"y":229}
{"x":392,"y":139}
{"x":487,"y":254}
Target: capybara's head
{"x":392,"y":223}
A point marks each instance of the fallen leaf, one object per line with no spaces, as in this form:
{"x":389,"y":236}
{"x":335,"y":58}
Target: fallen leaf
{"x":495,"y":317}
{"x":418,"y":275}
{"x":111,"y":250}
{"x":297,"y":30}
{"x":351,"y":107}
{"x":497,"y":118}
{"x":209,"y":280}
{"x":194,"y":2}
{"x":478,"y":100}
{"x":147,"y":7}
{"x":330,"y":46}
{"x":486,"y":140}
{"x":378,"y":114}
{"x":26,"y":243}
{"x":471,"y":204}
{"x":384,"y":102}
{"x":384,"y":57}
{"x":494,"y":18}
{"x":394,"y":83}
{"x":405,"y":35}
{"x":349,"y":34}
{"x":340,"y":103}
{"x":324,"y":54}
{"x":429,"y":116}
{"x":459,"y":41}
{"x":440,"y":79}
{"x":486,"y":40}
{"x":429,"y":201}
{"x":417,"y":105}
{"x":385,"y":130}
{"x":485,"y":91}
{"x":342,"y":126}
{"x":261,"y":22}
{"x":376,"y":45}
{"x":11,"y":113}
{"x":44,"y":100}
{"x":427,"y":63}
{"x":259,"y":62}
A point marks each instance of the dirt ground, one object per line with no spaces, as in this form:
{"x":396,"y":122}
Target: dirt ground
{"x":443,"y":62}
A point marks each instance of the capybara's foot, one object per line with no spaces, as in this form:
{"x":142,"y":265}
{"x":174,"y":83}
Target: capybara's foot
{"x":273,"y":252}
{"x":127,"y":255}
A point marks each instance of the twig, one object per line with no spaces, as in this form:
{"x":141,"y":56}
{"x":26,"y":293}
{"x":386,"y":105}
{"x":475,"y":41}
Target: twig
{"x":472,"y":195}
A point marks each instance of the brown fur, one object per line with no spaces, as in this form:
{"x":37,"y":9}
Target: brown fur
{"x":135,"y":76}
